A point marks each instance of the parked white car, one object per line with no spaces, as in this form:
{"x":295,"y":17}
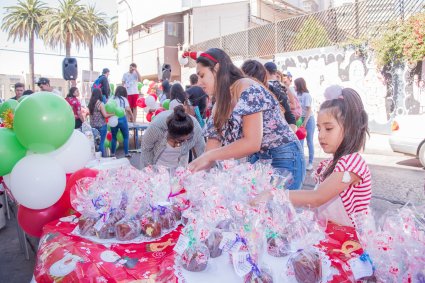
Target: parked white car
{"x":408,"y":135}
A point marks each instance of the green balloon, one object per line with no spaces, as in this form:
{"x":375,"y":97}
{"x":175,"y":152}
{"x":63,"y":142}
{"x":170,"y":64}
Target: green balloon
{"x":107,"y":144}
{"x":112,"y":87}
{"x":8,"y":104}
{"x":166,"y":104}
{"x":139,"y":85}
{"x":299,"y":122}
{"x":120,"y":137}
{"x":119,"y":112}
{"x":22,"y":98}
{"x":11,"y":151}
{"x":111,"y":106}
{"x":43,"y":122}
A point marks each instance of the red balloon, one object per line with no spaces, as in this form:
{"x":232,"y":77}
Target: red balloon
{"x":152,"y":84}
{"x":159,"y":110}
{"x":70,"y":185}
{"x":141,"y":102}
{"x":149,"y":116}
{"x":301,"y":133}
{"x":154,"y":96}
{"x":33,"y":220}
{"x":109,"y":136}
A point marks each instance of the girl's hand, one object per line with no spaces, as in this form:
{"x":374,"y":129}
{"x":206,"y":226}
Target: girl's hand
{"x":263,"y":197}
{"x":203,"y":162}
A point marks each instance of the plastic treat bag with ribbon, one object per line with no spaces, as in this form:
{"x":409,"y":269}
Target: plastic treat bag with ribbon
{"x":129,"y":227}
{"x":193,"y":253}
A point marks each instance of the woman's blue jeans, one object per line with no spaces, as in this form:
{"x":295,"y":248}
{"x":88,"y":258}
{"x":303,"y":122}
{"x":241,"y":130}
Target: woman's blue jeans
{"x":123,"y":126}
{"x":102,"y":130}
{"x":288,"y":157}
{"x":311,"y":125}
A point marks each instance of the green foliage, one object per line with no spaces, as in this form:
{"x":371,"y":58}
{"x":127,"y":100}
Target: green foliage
{"x":389,"y":46}
{"x":402,"y":41}
{"x":312,"y":34}
{"x":114,"y":31}
{"x":23,"y":19}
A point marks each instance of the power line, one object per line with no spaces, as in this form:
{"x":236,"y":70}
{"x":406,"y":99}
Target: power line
{"x":54,"y":54}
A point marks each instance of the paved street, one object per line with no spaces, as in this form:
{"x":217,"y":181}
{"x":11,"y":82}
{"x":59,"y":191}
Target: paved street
{"x":397,"y":179}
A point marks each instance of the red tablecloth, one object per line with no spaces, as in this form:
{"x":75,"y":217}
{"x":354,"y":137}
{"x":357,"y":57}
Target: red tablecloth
{"x":63,"y":257}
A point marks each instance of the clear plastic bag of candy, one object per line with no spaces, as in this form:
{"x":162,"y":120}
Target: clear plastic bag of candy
{"x":306,"y":266}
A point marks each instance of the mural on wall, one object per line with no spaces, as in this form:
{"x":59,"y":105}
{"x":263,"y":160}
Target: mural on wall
{"x":385,"y":93}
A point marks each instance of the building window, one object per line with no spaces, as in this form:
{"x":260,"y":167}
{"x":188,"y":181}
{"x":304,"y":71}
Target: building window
{"x":172,"y":29}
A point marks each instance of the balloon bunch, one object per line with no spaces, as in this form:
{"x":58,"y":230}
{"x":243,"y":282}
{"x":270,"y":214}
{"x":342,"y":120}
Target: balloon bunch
{"x":112,"y":108}
{"x":148,"y":87}
{"x":120,"y":139}
{"x":37,"y":154}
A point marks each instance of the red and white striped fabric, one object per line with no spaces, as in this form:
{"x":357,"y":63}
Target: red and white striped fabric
{"x":355,"y":198}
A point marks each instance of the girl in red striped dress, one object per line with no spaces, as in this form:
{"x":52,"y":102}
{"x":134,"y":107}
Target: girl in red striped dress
{"x":344,"y":181}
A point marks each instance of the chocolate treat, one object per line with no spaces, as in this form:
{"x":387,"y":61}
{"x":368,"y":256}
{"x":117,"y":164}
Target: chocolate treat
{"x":307,"y":266}
{"x":167,"y":219}
{"x":86,"y":225}
{"x":195,"y":258}
{"x":107,"y":231}
{"x":177,"y":212}
{"x":226,"y":225}
{"x":213,"y":242}
{"x":143,"y":221}
{"x":152,"y":230}
{"x":278,"y":246}
{"x":263,"y":277}
{"x":126,"y":230}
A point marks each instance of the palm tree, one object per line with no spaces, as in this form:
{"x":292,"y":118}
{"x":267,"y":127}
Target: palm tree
{"x":24,"y":21}
{"x":114,"y":31}
{"x":65,"y":25}
{"x":97,"y":32}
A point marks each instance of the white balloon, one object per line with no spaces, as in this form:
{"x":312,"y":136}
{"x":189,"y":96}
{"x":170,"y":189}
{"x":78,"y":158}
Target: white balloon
{"x":150,"y":101}
{"x":144,"y":89}
{"x":145,"y":81}
{"x":6,"y":179}
{"x":113,"y":121}
{"x":37,"y":181}
{"x":74,"y":154}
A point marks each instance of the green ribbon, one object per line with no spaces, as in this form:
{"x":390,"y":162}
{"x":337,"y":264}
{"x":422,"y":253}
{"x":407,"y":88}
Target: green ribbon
{"x":192,"y":239}
{"x":271,"y":234}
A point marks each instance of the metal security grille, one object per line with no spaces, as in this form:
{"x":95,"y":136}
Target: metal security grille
{"x":363,"y":19}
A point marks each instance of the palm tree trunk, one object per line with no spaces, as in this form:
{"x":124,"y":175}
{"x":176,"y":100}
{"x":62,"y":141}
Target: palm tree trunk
{"x":68,"y":45}
{"x":31,"y":58}
{"x":90,"y":43}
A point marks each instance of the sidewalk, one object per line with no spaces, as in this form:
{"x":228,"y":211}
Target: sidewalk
{"x":377,"y":152}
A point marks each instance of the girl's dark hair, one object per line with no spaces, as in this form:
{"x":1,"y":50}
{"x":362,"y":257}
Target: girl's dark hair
{"x":348,"y":110}
{"x":300,"y":85}
{"x":254,"y":69}
{"x":177,"y":92}
{"x":121,"y":91}
{"x":225,"y":76}
{"x":96,"y":95}
{"x":72,"y":90}
{"x":179,"y":123}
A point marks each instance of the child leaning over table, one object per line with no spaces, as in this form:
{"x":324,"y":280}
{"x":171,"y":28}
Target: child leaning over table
{"x":344,"y":181}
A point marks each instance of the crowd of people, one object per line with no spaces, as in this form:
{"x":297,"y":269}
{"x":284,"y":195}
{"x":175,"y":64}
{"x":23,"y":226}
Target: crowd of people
{"x":252,"y":114}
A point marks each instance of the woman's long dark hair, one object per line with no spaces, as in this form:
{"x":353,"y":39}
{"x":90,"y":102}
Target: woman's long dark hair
{"x":177,"y":92}
{"x":300,"y":85}
{"x":225,"y":76}
{"x":96,"y":95}
{"x":120,"y":91}
{"x":348,"y":110}
{"x":256,"y":70}
{"x":72,"y":90}
{"x":179,"y":123}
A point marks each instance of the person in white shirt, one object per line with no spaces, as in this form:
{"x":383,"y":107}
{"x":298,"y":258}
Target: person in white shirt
{"x":129,"y":81}
{"x":121,"y":100}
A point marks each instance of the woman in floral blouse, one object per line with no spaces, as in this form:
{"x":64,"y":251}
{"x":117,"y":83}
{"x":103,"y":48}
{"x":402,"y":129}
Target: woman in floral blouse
{"x":246,"y":120}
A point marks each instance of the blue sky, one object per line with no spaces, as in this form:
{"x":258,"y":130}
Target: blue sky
{"x":14,"y":56}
